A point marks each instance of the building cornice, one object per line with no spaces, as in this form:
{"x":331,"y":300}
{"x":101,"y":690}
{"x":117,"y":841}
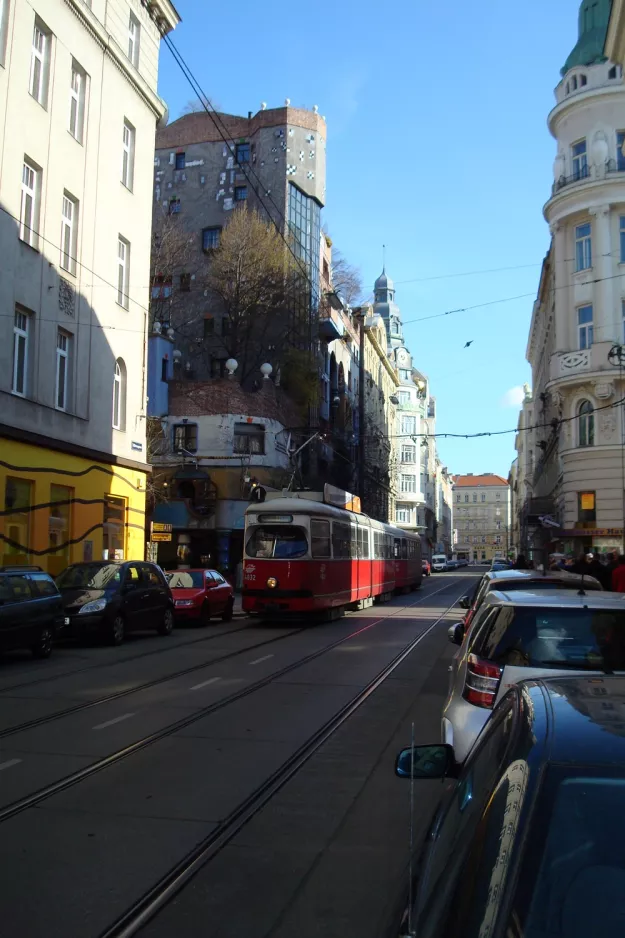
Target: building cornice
{"x":72,"y":449}
{"x":114,"y":52}
{"x":583,"y":99}
{"x":582,"y":196}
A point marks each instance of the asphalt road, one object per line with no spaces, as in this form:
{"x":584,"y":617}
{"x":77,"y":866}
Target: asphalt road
{"x":226,"y":781}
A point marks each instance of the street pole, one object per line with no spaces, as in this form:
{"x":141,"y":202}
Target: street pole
{"x":616,"y":356}
{"x":361,"y":409}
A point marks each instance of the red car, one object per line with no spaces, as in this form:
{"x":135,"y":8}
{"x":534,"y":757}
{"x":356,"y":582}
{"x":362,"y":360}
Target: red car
{"x":200,"y":594}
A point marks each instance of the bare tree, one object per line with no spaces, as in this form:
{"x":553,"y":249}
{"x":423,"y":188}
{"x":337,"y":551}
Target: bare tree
{"x":173,"y":264}
{"x":347,"y":279}
{"x":195,"y":106}
{"x":256,"y":289}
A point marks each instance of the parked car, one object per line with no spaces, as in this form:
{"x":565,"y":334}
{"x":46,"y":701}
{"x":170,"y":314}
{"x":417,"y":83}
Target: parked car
{"x":200,"y":594}
{"x":462,"y":562}
{"x":452,"y":564}
{"x":439,"y":563}
{"x":500,"y":564}
{"x":511,"y":580}
{"x":426,"y":567}
{"x":31,"y":610}
{"x":519,"y":635}
{"x":113,"y":598}
{"x":528,"y":836}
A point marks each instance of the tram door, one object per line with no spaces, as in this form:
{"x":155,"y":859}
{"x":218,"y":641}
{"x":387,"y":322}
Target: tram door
{"x":364,"y":557}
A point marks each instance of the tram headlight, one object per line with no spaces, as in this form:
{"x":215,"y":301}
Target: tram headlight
{"x":272,"y":583}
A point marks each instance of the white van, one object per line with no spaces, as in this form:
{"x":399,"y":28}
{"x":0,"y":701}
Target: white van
{"x":439,"y":563}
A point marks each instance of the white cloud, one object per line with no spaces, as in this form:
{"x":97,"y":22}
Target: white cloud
{"x":514,"y":397}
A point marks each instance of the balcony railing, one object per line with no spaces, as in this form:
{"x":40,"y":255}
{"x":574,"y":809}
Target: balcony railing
{"x":583,"y":175}
{"x":579,"y":361}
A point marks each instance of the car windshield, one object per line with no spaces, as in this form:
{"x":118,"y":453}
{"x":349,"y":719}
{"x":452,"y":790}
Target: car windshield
{"x":542,"y":583}
{"x":572,"y":880}
{"x":581,"y":639}
{"x":277,"y":541}
{"x":91,"y":576}
{"x":186,"y":579}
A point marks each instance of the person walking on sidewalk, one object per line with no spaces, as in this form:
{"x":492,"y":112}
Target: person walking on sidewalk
{"x":618,"y":576}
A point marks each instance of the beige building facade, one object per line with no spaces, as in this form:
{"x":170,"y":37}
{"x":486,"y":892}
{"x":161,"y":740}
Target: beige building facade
{"x":481,"y":517}
{"x":78,"y":115}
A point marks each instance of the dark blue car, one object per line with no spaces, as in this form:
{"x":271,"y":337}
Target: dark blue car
{"x":529,"y":839}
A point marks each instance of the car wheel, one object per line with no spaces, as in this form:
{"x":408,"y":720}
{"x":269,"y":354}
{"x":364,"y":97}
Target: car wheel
{"x":117,"y":630}
{"x":43,"y":646}
{"x":226,"y":615}
{"x":167,"y":624}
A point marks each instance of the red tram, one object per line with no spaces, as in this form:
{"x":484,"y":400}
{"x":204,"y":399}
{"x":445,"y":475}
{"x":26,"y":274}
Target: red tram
{"x":303,"y":555}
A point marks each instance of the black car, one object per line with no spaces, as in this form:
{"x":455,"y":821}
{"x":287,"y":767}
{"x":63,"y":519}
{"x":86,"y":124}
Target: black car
{"x":31,"y":610}
{"x":113,"y":598}
{"x":528,"y":839}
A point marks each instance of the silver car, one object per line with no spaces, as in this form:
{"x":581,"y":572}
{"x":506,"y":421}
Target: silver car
{"x":524,"y":634}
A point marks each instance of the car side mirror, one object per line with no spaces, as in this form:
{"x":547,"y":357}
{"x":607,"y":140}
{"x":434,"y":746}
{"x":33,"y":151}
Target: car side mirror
{"x":464,"y":602}
{"x":425,"y":762}
{"x":455,"y":634}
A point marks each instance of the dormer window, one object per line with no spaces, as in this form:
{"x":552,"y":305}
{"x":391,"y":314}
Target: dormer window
{"x":568,"y":88}
{"x":574,"y":83}
{"x":615,"y":72}
{"x":583,"y":81}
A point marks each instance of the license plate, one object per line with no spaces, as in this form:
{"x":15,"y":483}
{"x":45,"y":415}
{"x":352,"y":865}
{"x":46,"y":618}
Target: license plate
{"x":66,"y":620}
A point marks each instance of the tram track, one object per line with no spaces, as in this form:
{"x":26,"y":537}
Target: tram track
{"x":131,"y":922}
{"x":74,"y":778}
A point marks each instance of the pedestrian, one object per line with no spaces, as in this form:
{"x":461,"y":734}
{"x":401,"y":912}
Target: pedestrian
{"x":520,"y":563}
{"x":583,"y":565}
{"x":611,"y":566}
{"x":599,"y":571}
{"x":618,"y":576}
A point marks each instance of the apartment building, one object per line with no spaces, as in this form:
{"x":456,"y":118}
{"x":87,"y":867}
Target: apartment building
{"x":481,"y":517}
{"x":78,"y":114}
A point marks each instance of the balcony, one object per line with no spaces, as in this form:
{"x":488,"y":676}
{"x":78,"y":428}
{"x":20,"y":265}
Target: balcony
{"x":581,"y":361}
{"x":330,"y":325}
{"x":583,"y":175}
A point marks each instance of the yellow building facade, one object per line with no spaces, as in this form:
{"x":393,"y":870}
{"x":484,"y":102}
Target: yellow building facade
{"x":58,"y":508}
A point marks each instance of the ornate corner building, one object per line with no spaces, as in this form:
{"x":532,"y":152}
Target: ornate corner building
{"x":570,"y":465}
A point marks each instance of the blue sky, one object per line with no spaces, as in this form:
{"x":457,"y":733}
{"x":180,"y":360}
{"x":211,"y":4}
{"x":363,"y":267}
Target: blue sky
{"x":437,"y":147}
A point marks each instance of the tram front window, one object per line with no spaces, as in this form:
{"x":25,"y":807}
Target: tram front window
{"x":280,"y":542}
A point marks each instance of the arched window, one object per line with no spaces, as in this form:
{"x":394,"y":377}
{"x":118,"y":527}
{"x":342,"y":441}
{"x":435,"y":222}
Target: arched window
{"x":586,"y":424}
{"x":119,"y":395}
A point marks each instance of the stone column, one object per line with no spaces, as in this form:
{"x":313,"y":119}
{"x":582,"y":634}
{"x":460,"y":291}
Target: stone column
{"x":603,"y":311}
{"x":563,"y":334}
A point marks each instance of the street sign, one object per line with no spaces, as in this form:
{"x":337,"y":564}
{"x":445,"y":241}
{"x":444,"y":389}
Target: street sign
{"x":161,"y":528}
{"x":160,"y":538}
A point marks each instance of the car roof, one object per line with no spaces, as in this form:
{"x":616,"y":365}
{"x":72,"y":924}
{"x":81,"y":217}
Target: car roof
{"x":551,"y":576}
{"x":581,"y":729}
{"x":194,"y":570}
{"x":593,"y":599}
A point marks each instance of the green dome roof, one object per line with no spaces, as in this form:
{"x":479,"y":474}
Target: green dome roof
{"x":594,"y":16}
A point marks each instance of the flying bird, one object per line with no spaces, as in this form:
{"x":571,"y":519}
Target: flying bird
{"x":467,"y":344}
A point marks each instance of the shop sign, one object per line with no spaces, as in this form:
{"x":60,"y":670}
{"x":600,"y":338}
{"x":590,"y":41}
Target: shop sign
{"x":592,"y":532}
{"x":158,"y":538}
{"x":161,"y":528}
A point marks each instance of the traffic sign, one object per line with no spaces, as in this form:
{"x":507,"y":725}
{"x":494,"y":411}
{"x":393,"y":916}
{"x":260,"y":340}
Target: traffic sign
{"x":161,"y":528}
{"x":159,"y":537}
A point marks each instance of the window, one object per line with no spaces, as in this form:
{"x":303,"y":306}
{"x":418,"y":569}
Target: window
{"x":243,"y":153}
{"x":341,"y":541}
{"x":583,"y":247}
{"x":466,"y":498}
{"x":39,"y":62}
{"x":174,"y":206}
{"x":584,"y":322}
{"x":249,"y":438}
{"x":59,"y":527}
{"x":18,"y":500}
{"x":574,"y":82}
{"x":586,"y":506}
{"x":320,"y":539}
{"x":77,"y":101}
{"x":161,"y":287}
{"x":277,"y":541}
{"x":210,"y":238}
{"x":622,"y":235}
{"x":69,"y":233}
{"x":134,"y":38}
{"x":402,"y":513}
{"x":583,"y":81}
{"x":185,"y":437}
{"x":29,"y":210}
{"x":240,"y":193}
{"x":63,"y":340}
{"x":615,"y":72}
{"x":404,"y":397}
{"x":185,"y":283}
{"x":408,"y":426}
{"x":180,"y":161}
{"x":128,"y":154}
{"x":586,"y":423}
{"x":475,"y":496}
{"x":164,"y":368}
{"x":580,"y":160}
{"x":620,"y":151}
{"x":113,"y":530}
{"x":4,"y":15}
{"x":409,"y":454}
{"x":209,"y":327}
{"x":408,"y":483}
{"x":405,"y":374}
{"x":484,"y":496}
{"x":123,"y":271}
{"x":119,"y":395}
{"x":20,"y":353}
{"x":304,"y":221}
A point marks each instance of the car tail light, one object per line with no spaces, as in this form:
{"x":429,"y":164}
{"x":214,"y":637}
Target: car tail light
{"x":482,"y":682}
